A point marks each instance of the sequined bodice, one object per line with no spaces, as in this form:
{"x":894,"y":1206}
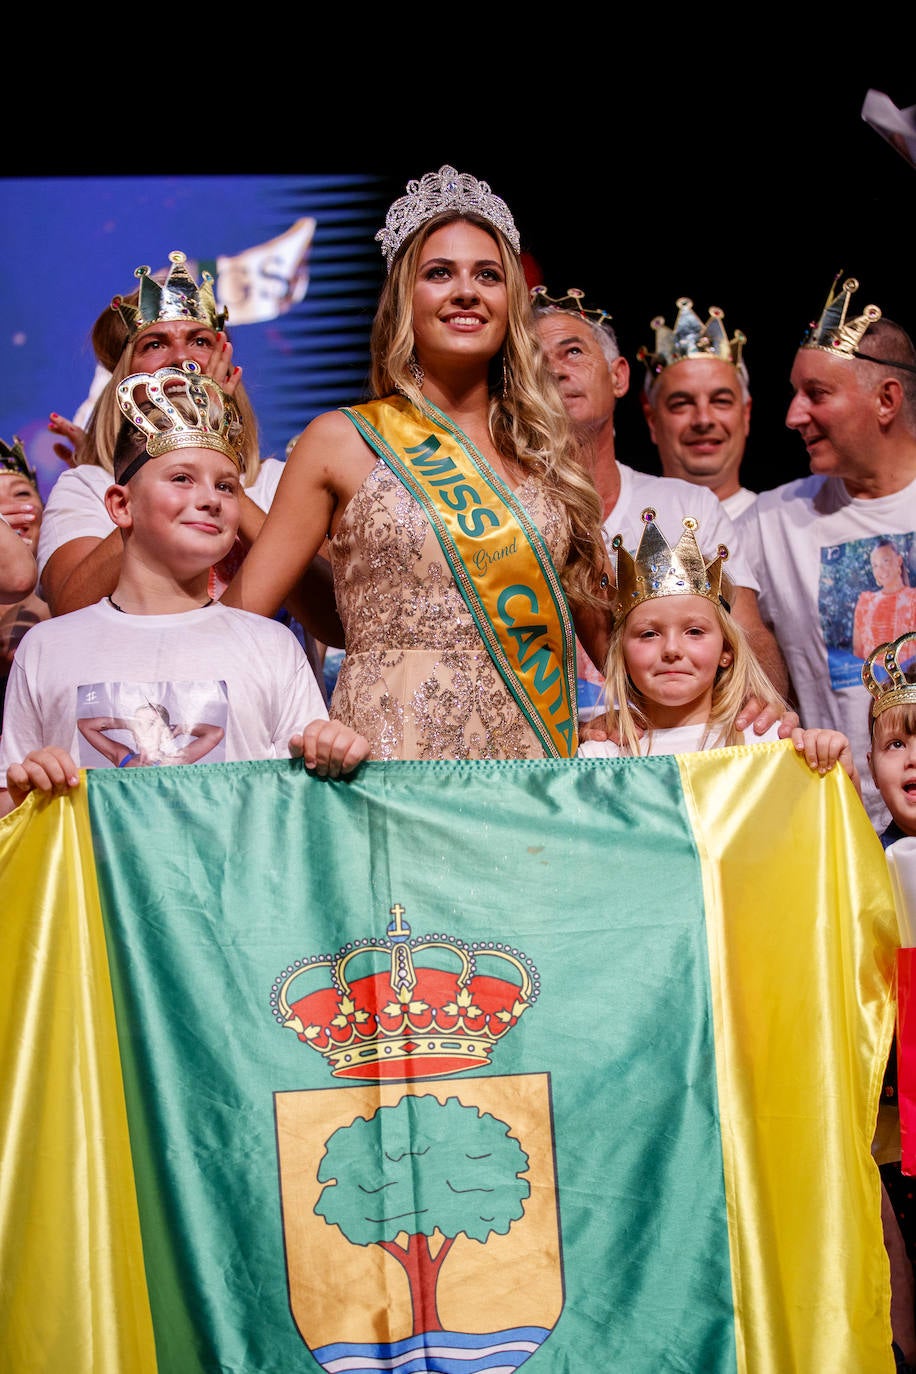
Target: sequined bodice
{"x":416,"y":679}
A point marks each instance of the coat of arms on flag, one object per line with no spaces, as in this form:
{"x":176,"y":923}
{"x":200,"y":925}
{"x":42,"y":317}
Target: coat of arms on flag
{"x":430,"y":1174}
{"x":562,"y":1065}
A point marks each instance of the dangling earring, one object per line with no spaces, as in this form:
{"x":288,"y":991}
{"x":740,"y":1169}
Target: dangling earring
{"x":505,"y":378}
{"x":416,"y":371}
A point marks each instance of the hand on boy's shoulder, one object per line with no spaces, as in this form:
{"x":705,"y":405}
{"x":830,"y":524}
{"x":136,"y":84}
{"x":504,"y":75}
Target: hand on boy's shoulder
{"x":329,"y":748}
{"x":49,"y":770}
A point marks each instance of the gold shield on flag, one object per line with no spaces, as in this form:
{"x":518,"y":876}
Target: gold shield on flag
{"x":421,"y":1217}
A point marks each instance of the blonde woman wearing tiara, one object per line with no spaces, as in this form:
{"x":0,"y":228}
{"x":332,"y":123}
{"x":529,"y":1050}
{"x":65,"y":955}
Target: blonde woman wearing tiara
{"x":679,"y":664}
{"x":463,"y":528}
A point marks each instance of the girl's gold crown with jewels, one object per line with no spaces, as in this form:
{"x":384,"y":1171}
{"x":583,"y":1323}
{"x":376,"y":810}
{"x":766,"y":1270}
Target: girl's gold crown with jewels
{"x":658,"y":569}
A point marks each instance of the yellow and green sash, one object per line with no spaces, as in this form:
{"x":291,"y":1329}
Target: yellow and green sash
{"x":496,"y":555}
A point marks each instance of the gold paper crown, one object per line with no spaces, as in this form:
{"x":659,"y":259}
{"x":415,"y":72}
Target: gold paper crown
{"x":439,"y":191}
{"x":660,"y":570}
{"x":834,"y":332}
{"x":209,"y":419}
{"x":691,"y":338}
{"x":14,"y":460}
{"x":570,"y":304}
{"x":178,"y":297}
{"x":894,"y":682}
{"x":398,"y":1008}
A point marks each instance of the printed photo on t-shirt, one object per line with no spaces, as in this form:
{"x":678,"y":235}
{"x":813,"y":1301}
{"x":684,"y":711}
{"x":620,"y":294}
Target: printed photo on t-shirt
{"x":151,"y":724}
{"x":866,"y":597}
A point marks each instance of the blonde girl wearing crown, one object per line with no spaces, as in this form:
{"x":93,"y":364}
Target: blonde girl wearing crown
{"x":679,"y":665}
{"x":463,"y":528}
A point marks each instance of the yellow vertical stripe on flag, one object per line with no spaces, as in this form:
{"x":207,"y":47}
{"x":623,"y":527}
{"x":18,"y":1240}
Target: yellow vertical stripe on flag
{"x":799,"y":1076}
{"x":75,"y":1297}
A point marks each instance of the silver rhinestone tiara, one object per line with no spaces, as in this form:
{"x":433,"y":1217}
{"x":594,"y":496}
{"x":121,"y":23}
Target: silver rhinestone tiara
{"x":439,"y":191}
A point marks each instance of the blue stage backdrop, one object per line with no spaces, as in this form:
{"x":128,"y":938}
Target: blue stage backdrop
{"x":294,"y":259}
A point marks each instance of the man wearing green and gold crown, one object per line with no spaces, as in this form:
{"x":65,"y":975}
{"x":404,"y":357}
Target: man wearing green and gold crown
{"x":811,"y":541}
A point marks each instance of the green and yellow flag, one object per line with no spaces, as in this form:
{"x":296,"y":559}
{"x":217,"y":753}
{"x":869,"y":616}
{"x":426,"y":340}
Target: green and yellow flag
{"x":570,"y":1064}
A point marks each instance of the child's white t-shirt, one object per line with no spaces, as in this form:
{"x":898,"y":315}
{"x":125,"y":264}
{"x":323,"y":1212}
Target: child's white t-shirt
{"x":216,"y":669}
{"x":681,"y":739}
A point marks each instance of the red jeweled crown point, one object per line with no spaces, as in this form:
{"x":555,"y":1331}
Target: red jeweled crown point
{"x":177,"y":297}
{"x":413,"y":1008}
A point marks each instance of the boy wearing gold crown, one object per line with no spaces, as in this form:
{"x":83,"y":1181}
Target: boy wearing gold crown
{"x":679,"y":664}
{"x":812,"y":541}
{"x":158,"y":672}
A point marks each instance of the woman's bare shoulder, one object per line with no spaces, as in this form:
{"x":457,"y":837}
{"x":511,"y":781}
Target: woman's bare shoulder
{"x":334,"y":422}
{"x":331,"y":427}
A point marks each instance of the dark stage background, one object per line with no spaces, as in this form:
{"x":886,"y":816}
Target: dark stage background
{"x":752,"y":208}
{"x":750,"y":192}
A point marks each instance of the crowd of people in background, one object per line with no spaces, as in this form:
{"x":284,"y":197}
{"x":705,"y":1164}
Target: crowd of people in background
{"x":648,"y":614}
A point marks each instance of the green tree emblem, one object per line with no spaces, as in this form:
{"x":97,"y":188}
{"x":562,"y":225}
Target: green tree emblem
{"x":416,"y":1168}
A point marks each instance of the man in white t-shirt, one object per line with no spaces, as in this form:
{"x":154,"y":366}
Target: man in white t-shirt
{"x":812,"y":541}
{"x":584,"y":356}
{"x":696,"y":398}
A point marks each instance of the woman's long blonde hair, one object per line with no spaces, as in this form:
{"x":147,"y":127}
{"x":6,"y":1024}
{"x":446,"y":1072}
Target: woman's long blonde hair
{"x":630,"y":712}
{"x":527,"y":419}
{"x":97,"y":446}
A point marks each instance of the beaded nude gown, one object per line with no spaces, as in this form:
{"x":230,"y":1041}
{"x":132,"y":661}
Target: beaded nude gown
{"x":416,"y":679}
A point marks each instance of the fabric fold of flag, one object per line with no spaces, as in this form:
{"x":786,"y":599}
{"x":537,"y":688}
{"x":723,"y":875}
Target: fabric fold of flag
{"x":565,"y":1064}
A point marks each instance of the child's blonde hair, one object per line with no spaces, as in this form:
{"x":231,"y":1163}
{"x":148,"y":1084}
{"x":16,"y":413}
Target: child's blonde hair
{"x":629,"y":711}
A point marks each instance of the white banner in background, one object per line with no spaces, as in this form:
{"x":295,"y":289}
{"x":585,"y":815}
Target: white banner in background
{"x":897,"y":126}
{"x":268,"y":280}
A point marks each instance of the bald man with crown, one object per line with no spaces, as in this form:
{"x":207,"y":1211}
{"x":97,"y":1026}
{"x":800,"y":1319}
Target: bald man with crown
{"x":813,"y":541}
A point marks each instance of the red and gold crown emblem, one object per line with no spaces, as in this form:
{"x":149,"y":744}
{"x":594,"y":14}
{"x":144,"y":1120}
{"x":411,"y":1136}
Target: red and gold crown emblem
{"x":398,"y":1007}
